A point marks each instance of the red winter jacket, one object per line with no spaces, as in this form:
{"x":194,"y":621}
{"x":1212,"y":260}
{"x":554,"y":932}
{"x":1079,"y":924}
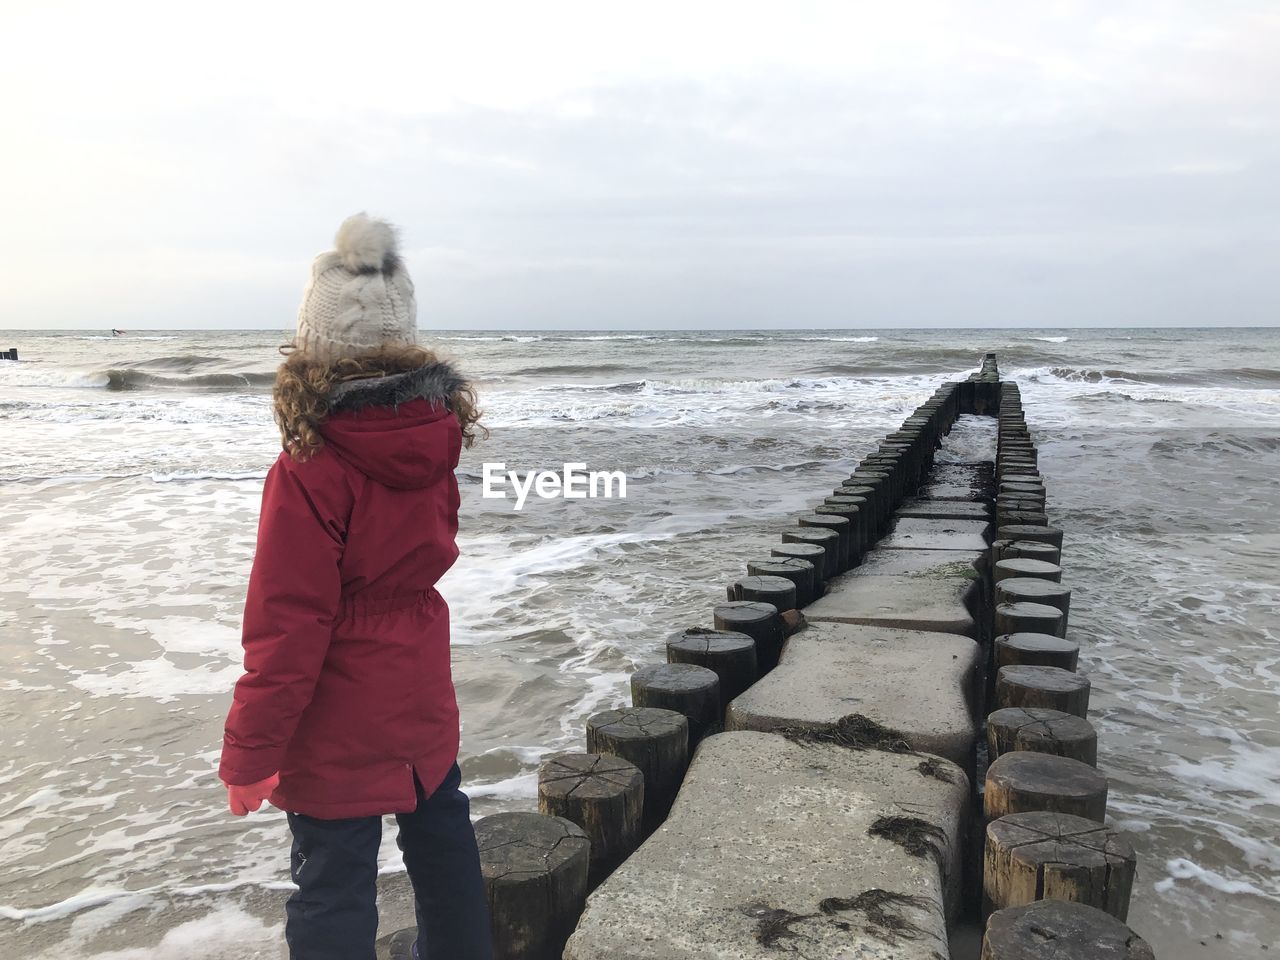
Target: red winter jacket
{"x":347,"y":687}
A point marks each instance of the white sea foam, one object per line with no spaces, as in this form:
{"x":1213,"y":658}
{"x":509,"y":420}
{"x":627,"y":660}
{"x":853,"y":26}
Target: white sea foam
{"x":524,"y":786}
{"x":180,"y":475}
{"x":1183,"y":869}
{"x":226,"y":932}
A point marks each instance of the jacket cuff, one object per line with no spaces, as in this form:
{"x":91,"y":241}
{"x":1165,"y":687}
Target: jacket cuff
{"x":240,"y":767}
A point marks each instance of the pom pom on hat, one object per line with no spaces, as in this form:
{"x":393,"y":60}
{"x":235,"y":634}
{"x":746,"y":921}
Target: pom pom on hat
{"x":366,"y":244}
{"x":360,"y":297}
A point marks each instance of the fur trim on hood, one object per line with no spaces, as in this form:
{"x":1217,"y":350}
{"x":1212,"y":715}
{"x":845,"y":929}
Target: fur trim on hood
{"x":436,"y":382}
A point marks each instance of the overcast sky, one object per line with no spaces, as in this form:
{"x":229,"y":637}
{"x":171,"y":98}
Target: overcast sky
{"x":687,"y":164}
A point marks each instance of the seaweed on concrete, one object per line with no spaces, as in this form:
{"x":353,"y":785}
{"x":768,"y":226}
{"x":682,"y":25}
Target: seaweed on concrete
{"x":773,"y":923}
{"x":854,"y":731}
{"x":918,"y":837}
{"x":932,"y":767}
{"x":880,"y":908}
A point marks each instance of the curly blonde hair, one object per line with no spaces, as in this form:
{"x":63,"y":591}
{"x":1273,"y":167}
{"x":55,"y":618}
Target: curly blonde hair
{"x":303,"y":384}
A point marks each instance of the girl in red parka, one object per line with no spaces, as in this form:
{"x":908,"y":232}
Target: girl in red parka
{"x":346,"y":710}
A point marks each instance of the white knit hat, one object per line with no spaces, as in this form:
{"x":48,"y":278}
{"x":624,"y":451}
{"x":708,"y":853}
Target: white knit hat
{"x":360,"y":297}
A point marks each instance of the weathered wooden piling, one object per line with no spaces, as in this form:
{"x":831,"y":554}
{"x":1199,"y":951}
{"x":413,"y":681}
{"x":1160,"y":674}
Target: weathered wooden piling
{"x":800,"y":573}
{"x":1061,"y":930}
{"x":727,"y":653}
{"x":535,"y":871}
{"x":1025,"y":617}
{"x":656,"y":741}
{"x":1037,"y":532}
{"x":841,"y":527}
{"x":1025,"y":549}
{"x":1041,"y":731}
{"x":829,"y":540}
{"x":779,"y":592}
{"x":1025,"y":567}
{"x":1036,"y":650}
{"x":604,"y":795}
{"x":1055,"y":856}
{"x":1023,"y":781}
{"x":858,"y":511}
{"x":758,"y":620}
{"x":1049,"y":687}
{"x":1035,"y":590}
{"x":687,"y":689}
{"x":813,"y":554}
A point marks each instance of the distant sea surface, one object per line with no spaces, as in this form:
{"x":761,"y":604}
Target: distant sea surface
{"x":131,"y":471}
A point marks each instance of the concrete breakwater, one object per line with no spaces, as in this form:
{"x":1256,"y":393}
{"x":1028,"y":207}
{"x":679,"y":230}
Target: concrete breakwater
{"x":880,"y":744}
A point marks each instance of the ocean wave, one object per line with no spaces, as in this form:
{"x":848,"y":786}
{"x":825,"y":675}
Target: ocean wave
{"x":180,"y":475}
{"x":493,"y":339}
{"x":137,"y":378}
{"x":677,"y":386}
{"x":131,"y":378}
{"x":860,"y":371}
{"x":569,"y":369}
{"x":185,"y":361}
{"x":838,"y":339}
{"x":1215,"y":445}
{"x":1207,"y":377}
{"x":1105,"y":396}
{"x":127,"y":336}
{"x":1052,"y":339}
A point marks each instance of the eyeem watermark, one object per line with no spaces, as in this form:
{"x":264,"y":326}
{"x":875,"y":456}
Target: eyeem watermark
{"x":575,"y":482}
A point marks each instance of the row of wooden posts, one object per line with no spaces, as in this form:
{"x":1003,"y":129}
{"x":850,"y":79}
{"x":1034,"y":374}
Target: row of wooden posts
{"x":9,"y":354}
{"x":1053,"y":872}
{"x":1050,"y":862}
{"x":597,"y":806}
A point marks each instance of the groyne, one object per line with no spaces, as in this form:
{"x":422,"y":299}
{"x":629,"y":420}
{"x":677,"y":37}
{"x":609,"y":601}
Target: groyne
{"x":878,"y":747}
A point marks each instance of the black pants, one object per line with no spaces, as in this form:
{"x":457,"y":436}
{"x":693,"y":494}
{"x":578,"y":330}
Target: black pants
{"x":333,"y":914}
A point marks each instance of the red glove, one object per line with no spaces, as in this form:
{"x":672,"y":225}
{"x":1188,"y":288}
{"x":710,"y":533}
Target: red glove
{"x":250,"y":796}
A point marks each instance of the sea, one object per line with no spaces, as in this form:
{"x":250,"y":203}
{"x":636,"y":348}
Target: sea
{"x":130,"y":475}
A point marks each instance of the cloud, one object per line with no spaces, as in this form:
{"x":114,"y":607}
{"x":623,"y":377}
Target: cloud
{"x":713,"y":164}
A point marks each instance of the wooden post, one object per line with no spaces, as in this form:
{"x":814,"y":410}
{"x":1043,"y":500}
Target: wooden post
{"x":1036,"y":650}
{"x":859,"y":511}
{"x":1024,"y":567}
{"x":656,"y":741}
{"x":1027,"y":549}
{"x":778,"y":591}
{"x":1061,"y":930}
{"x":1028,"y":618}
{"x":879,"y":481}
{"x":842,"y":528}
{"x":1033,"y":590}
{"x":850,"y":513}
{"x":1055,"y":856}
{"x":801,"y":573}
{"x":1037,"y":532}
{"x":872,"y":518}
{"x":1049,"y":687}
{"x":812,"y":553}
{"x":1036,"y":518}
{"x":1025,"y":780}
{"x":535,"y":874}
{"x":685,"y":688}
{"x":1041,"y":731}
{"x":758,"y":620}
{"x":829,"y":540}
{"x":604,"y":796}
{"x":730,"y":654}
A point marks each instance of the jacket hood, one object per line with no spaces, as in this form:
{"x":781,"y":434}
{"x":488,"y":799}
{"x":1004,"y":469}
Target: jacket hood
{"x":397,"y":429}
